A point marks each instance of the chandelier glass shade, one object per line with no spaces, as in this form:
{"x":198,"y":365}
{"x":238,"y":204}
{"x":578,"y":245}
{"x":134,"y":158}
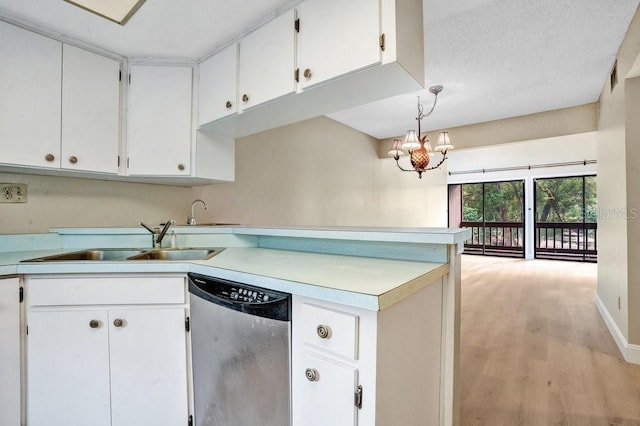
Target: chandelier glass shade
{"x":418,"y":146}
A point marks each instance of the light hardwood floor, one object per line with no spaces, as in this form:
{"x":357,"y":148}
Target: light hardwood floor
{"x":535,"y":351}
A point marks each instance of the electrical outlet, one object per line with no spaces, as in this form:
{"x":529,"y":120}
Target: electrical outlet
{"x":13,"y":192}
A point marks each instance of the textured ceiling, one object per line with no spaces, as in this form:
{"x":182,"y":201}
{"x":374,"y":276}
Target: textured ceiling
{"x":496,"y":59}
{"x":505,"y":58}
{"x":182,"y":29}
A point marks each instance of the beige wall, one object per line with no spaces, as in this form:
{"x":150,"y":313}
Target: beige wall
{"x":560,"y":122}
{"x":61,"y":201}
{"x":618,"y":195}
{"x":320,"y":172}
{"x":632,"y":143}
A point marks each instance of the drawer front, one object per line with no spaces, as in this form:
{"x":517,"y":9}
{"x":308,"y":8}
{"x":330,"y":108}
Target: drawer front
{"x":99,"y":290}
{"x":331,"y":330}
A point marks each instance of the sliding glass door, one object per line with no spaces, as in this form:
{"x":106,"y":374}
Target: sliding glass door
{"x":494,"y":211}
{"x":566,"y":218}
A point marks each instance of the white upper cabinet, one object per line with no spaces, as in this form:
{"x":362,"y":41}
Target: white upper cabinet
{"x":337,"y":37}
{"x":30,"y":85}
{"x":346,"y":54}
{"x":267,"y":62}
{"x":159,"y":121}
{"x":218,"y":85}
{"x":90,"y":111}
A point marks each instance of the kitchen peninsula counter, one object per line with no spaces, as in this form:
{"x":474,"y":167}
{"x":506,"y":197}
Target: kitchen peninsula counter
{"x":370,"y":268}
{"x":400,"y":288}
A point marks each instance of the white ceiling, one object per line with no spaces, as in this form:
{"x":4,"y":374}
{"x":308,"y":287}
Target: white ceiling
{"x":505,"y":58}
{"x":496,"y":59}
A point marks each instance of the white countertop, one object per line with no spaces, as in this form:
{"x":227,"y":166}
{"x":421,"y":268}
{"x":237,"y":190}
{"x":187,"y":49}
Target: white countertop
{"x":368,"y":283}
{"x":372,"y":279}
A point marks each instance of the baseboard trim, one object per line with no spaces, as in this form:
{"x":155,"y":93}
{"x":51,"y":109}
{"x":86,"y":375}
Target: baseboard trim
{"x":631,"y":353}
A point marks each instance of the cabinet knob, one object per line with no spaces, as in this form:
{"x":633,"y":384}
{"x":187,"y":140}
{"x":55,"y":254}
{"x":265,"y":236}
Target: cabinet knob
{"x":181,"y":167}
{"x":245,"y":98}
{"x":49,"y":157}
{"x":94,"y":323}
{"x":307,"y":73}
{"x":312,"y":374}
{"x":324,"y":331}
{"x":73,"y":159}
{"x":118,"y":322}
{"x":228,"y":104}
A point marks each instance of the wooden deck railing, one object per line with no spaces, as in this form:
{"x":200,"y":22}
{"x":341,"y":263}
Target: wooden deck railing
{"x":495,"y":238}
{"x":571,"y":241}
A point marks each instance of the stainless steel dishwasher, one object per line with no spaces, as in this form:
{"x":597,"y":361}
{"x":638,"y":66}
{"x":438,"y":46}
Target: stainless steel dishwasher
{"x":241,"y":351}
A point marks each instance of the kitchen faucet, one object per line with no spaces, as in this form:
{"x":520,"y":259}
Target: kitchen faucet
{"x":156,"y":233}
{"x":192,"y":219}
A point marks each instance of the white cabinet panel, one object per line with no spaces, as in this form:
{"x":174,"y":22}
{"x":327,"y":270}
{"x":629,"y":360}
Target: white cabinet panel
{"x":159,"y":121}
{"x":218,"y":85}
{"x":328,"y":399}
{"x":9,"y":352}
{"x":30,"y":85}
{"x":148,"y":367}
{"x":267,"y":62}
{"x":90,"y":111}
{"x":337,"y":37}
{"x":68,"y":368}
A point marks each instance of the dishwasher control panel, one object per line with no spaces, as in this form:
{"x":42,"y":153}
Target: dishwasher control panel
{"x":241,"y":297}
{"x":248,"y":295}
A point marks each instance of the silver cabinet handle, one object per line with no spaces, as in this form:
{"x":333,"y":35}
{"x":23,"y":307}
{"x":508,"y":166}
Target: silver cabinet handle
{"x":181,"y":167}
{"x":94,"y":323}
{"x":73,"y":159}
{"x":228,"y":105}
{"x":49,"y":157}
{"x":245,"y":98}
{"x":312,"y":374}
{"x":324,"y":331}
{"x":118,"y":322}
{"x":307,"y":73}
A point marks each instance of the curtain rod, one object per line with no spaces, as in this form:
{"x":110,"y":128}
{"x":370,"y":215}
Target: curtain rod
{"x":529,"y":167}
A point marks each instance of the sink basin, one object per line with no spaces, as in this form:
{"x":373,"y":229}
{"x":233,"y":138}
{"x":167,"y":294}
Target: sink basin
{"x":177,"y":254}
{"x":93,"y":254}
{"x":132,"y":254}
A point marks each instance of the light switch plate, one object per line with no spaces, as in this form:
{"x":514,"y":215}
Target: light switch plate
{"x":13,"y":192}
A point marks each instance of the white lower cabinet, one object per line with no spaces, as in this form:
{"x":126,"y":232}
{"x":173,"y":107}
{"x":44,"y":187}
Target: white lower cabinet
{"x":327,"y":396}
{"x":92,"y":363}
{"x":10,"y":388}
{"x":68,"y":368}
{"x":328,"y":369}
{"x":353,"y":366}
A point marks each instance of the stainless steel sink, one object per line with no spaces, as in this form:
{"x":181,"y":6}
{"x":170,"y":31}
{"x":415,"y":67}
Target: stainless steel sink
{"x":93,"y":254}
{"x":131,"y":254}
{"x":177,"y":254}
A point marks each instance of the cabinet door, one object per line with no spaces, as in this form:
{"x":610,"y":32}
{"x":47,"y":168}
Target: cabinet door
{"x":148,"y":367}
{"x":68,"y":369}
{"x":337,"y":37}
{"x":327,"y":398}
{"x":9,"y":352}
{"x":218,"y":85}
{"x":266,"y":64}
{"x":159,"y":121}
{"x":90,"y":111}
{"x":30,"y":84}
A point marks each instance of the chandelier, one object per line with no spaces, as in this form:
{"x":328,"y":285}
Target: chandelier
{"x":418,"y":146}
